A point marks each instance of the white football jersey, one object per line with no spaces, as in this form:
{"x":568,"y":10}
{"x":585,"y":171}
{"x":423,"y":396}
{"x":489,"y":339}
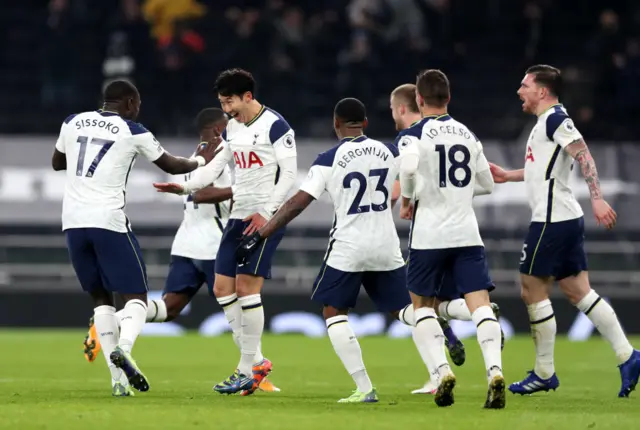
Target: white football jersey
{"x":547,"y":167}
{"x":359,"y":174}
{"x":100,"y":148}
{"x":253,"y":149}
{"x":201,"y":229}
{"x":450,"y":156}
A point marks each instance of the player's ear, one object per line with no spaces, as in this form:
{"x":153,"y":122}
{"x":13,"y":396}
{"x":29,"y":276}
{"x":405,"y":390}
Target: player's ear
{"x":365,"y":123}
{"x":247,"y":97}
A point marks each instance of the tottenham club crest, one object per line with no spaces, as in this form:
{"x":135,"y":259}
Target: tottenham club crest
{"x":568,"y":125}
{"x":288,"y":141}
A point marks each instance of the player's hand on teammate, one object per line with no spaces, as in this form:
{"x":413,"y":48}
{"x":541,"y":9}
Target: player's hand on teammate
{"x":406,"y":211}
{"x":168,"y":187}
{"x":605,"y":215}
{"x":247,"y":246}
{"x":209,"y":149}
{"x":500,"y":176}
{"x":256,"y":222}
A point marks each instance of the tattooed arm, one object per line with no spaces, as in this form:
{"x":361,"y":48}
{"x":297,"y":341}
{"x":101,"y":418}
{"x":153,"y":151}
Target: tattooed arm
{"x":291,"y":209}
{"x":580,"y":152}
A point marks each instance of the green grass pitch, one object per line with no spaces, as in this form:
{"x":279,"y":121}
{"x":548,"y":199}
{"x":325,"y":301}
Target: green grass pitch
{"x":45,"y":383}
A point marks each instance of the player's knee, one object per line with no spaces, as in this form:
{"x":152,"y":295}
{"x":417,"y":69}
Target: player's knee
{"x":224,"y":286}
{"x":575,"y":288}
{"x":247,"y":285}
{"x":330,"y":312}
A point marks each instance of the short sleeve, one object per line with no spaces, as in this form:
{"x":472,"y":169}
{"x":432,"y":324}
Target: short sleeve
{"x":407,"y":145}
{"x":561,"y":130}
{"x":60,"y":147}
{"x":283,"y":139}
{"x":147,"y":145}
{"x":316,"y":181}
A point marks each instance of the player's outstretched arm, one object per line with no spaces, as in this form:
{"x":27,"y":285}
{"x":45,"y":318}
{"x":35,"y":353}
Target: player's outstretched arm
{"x":212,"y":194}
{"x":178,"y":165}
{"x":484,"y":179}
{"x":500,"y":175}
{"x":58,"y":160}
{"x":602,"y":211}
{"x":291,"y":209}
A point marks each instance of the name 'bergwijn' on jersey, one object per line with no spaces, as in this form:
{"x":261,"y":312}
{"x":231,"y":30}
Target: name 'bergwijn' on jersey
{"x":358,"y":174}
{"x":450,"y":155}
{"x":547,"y":167}
{"x":200,"y":231}
{"x":100,"y":148}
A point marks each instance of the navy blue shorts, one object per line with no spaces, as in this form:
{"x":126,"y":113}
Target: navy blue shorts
{"x":259,"y":263}
{"x":554,"y":249}
{"x":105,"y":259}
{"x":186,"y":275}
{"x":448,"y":273}
{"x":339,"y":289}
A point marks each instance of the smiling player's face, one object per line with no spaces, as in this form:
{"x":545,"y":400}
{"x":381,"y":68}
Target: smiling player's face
{"x":235,"y":106}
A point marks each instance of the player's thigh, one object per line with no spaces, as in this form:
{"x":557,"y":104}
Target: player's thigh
{"x":471,"y":275}
{"x":120,"y":259}
{"x":184,"y":277}
{"x":226,"y":259}
{"x":425,"y":270}
{"x":336,"y":288}
{"x":84,"y":259}
{"x":572,"y":272}
{"x":259,"y":263}
{"x":387,"y":289}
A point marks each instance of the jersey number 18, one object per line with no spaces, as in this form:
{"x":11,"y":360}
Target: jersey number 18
{"x":455,"y":165}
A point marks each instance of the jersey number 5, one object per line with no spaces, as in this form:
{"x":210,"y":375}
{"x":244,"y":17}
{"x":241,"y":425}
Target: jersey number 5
{"x":355,"y":207}
{"x":83,"y":141}
{"x":455,"y":165}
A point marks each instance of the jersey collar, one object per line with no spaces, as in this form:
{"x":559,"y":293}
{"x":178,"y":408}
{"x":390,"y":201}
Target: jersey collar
{"x":255,"y":118}
{"x":549,"y":108}
{"x":107,"y":113}
{"x":354,"y":139}
{"x":443,"y":117}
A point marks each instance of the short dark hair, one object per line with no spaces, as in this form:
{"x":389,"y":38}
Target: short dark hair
{"x":433,"y":87}
{"x":350,"y":110}
{"x":548,"y":77}
{"x":235,"y":82}
{"x":119,"y":90}
{"x":208,"y":116}
{"x":407,"y":94}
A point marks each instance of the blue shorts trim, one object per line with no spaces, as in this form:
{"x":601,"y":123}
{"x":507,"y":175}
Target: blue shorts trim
{"x":554,"y":249}
{"x":448,"y":273}
{"x":387,"y":289}
{"x":108,"y":260}
{"x":259,"y":263}
{"x":186,"y":275}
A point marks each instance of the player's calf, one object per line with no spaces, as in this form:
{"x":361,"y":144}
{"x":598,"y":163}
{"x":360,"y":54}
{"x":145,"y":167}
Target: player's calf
{"x":174,"y":303}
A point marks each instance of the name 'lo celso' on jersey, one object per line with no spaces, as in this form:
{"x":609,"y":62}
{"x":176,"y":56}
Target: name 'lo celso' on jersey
{"x":547,"y":167}
{"x":358,"y":175}
{"x":450,"y":158}
{"x":201,"y":229}
{"x":100,"y":148}
{"x":262,"y":154}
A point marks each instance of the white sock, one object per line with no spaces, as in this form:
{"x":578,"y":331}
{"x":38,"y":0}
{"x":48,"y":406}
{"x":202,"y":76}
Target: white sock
{"x":105,"y":320}
{"x":233,"y":312}
{"x":252,"y":328}
{"x":346,"y":345}
{"x":428,"y":328}
{"x":156,"y":311}
{"x":454,"y":310}
{"x":604,"y":318}
{"x":134,"y":316}
{"x":422,"y":348}
{"x":488,"y":333}
{"x":543,"y":329}
{"x":407,"y":315}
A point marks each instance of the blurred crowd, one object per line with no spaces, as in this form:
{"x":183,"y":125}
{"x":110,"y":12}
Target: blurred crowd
{"x":308,"y":54}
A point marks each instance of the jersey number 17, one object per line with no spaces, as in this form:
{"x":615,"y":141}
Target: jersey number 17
{"x":84,"y":141}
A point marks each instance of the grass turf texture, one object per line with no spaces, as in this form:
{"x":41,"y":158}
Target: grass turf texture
{"x":45,"y":383}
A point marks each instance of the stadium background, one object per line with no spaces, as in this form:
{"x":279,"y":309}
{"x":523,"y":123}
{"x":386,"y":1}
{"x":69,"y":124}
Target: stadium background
{"x":306,"y":55}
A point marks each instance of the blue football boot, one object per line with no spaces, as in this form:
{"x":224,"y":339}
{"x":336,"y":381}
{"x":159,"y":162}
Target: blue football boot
{"x":533,"y":383}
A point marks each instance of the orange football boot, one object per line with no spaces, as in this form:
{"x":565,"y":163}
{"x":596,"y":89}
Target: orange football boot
{"x":91,"y":343}
{"x":260,"y":372}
